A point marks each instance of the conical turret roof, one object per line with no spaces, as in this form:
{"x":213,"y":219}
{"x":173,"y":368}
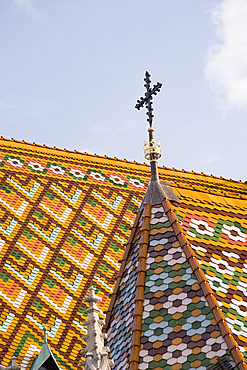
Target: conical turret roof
{"x":163,"y":313}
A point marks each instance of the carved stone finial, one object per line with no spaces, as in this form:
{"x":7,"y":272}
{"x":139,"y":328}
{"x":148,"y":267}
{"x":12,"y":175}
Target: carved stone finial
{"x":96,"y":354}
{"x":45,"y":334}
{"x":13,"y":366}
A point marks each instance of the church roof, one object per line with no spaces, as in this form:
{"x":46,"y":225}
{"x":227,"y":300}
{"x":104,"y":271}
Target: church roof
{"x":65,"y":217}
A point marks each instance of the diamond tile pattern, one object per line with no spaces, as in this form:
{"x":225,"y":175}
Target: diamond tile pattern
{"x":63,"y":226}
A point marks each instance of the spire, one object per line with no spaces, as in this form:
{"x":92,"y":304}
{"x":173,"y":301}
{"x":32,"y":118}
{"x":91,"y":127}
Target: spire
{"x":13,"y":365}
{"x":45,"y":336}
{"x":45,"y":359}
{"x":152,"y":151}
{"x":96,"y":354}
{"x":163,"y":313}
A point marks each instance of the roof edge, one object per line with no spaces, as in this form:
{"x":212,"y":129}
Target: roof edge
{"x":140,"y":285}
{"x":121,"y":271}
{"x":44,"y":148}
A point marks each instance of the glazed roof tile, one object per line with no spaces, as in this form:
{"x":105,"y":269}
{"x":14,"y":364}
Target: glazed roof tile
{"x":65,"y":217}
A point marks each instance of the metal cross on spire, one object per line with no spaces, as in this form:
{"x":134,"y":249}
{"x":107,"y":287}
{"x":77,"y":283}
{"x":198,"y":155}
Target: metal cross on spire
{"x":152,"y":151}
{"x":148,"y":97}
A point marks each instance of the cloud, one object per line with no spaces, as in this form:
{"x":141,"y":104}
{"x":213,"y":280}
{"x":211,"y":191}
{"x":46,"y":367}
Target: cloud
{"x":108,"y":128}
{"x":27,"y":7}
{"x":226,"y":64}
{"x":19,"y":112}
{"x":211,"y":157}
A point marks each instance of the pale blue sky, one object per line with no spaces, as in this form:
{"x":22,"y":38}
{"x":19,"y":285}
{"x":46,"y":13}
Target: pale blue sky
{"x":72,"y":70}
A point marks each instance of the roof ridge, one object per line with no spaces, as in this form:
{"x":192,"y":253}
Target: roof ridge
{"x":140,"y":286}
{"x":116,"y":159}
{"x":121,"y":270}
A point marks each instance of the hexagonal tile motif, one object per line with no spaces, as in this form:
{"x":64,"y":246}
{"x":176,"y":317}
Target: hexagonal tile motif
{"x":171,"y":292}
{"x":120,"y":334}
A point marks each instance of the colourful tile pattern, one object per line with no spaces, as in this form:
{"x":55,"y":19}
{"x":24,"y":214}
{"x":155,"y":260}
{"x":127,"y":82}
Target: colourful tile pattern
{"x":218,"y":236}
{"x":60,"y":232}
{"x":120,"y":333}
{"x":179,"y":330}
{"x":64,"y":219}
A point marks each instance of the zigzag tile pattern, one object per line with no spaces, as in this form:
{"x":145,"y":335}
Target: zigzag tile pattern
{"x":179,"y":330}
{"x":64,"y":220}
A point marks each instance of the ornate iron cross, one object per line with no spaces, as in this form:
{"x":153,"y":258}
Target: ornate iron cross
{"x":148,"y":97}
